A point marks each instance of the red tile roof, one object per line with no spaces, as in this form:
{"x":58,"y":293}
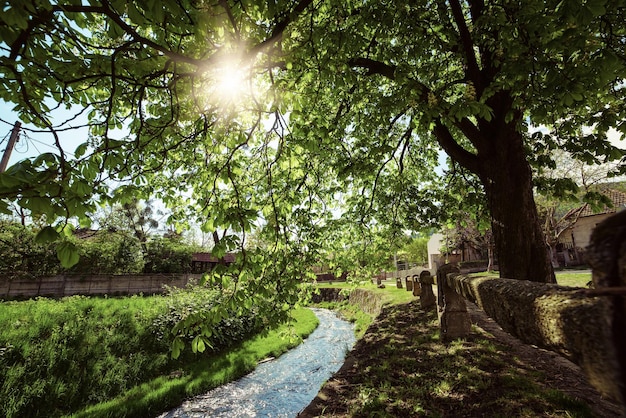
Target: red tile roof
{"x":617,"y":198}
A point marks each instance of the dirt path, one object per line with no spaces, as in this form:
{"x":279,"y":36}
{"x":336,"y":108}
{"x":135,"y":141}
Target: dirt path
{"x":400,"y":369}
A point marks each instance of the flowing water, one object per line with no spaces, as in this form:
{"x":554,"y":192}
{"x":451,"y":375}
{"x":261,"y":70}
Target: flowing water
{"x":282,"y":387}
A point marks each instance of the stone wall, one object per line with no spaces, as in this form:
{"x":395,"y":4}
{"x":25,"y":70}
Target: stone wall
{"x":556,"y":318}
{"x":587,"y":326}
{"x":91,"y":285}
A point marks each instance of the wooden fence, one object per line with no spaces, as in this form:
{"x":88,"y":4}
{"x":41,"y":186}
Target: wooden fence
{"x":92,"y":285}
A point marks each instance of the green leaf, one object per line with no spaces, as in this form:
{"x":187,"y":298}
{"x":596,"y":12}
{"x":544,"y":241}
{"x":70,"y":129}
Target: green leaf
{"x":81,"y":149}
{"x":68,"y":254}
{"x":197,"y":345}
{"x":47,"y":234}
{"x":177,"y":347}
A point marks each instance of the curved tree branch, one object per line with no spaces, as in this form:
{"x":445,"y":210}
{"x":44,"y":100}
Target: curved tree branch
{"x":374,"y":67}
{"x":453,"y":149}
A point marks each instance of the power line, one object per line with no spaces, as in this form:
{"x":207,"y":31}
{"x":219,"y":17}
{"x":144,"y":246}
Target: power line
{"x":5,"y":137}
{"x":33,"y":141}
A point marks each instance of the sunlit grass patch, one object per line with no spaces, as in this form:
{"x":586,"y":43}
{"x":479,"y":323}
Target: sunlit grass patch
{"x":422,"y":376}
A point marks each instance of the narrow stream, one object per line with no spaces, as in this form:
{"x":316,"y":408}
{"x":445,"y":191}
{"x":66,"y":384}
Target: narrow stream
{"x":282,"y":387}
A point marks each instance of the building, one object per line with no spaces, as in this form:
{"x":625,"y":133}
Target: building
{"x":434,"y":254}
{"x":203,"y":262}
{"x":574,"y":239}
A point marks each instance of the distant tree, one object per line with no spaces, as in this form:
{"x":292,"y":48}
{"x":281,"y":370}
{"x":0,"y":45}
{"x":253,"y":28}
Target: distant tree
{"x":21,"y":255}
{"x":140,"y":219}
{"x":564,"y":183}
{"x":416,"y":250}
{"x":168,"y":255}
{"x":109,"y":252}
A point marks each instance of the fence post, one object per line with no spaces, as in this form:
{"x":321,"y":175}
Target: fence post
{"x":607,"y":256}
{"x":454,"y":321}
{"x":427,"y":298}
{"x":409,"y":283}
{"x":417,"y":287}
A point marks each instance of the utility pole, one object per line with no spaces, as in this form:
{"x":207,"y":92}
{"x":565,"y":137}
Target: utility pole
{"x":10,"y":145}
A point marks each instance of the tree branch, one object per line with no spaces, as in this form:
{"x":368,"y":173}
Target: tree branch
{"x":453,"y":149}
{"x":473,"y":69}
{"x":279,"y":28}
{"x":374,"y":67}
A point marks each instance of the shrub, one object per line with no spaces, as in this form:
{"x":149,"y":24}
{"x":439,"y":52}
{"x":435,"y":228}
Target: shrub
{"x":21,"y":256}
{"x":197,"y":299}
{"x":109,"y":253}
{"x":57,"y":356}
{"x":165,"y":255}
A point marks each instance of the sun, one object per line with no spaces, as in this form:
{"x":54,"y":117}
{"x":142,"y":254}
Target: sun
{"x":231,"y":82}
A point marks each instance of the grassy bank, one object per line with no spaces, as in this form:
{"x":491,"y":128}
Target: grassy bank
{"x":57,"y":356}
{"x":165,"y":392}
{"x":389,"y":295}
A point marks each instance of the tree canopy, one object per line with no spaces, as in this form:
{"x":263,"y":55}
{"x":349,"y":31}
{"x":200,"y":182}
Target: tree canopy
{"x":287,"y":116}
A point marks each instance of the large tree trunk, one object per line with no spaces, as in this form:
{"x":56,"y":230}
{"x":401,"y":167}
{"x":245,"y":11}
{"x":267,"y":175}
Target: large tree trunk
{"x":519,"y":239}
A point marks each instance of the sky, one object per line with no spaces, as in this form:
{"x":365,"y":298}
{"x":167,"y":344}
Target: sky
{"x":32,"y":141}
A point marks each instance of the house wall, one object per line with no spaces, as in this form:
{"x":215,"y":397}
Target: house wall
{"x":433,"y":245}
{"x":581,"y":231}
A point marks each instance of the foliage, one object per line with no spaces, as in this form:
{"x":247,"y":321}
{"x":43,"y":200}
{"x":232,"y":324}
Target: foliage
{"x":345,"y":109}
{"x":107,"y":252}
{"x":165,"y":255}
{"x":101,"y":252}
{"x":416,"y":250}
{"x":21,"y":255}
{"x":360,"y":252}
{"x":467,"y":220}
{"x":197,"y":301}
{"x":206,"y":373}
{"x":564,"y":184}
{"x":58,"y":356}
{"x":134,"y":217}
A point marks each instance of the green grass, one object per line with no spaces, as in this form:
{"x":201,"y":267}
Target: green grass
{"x":58,"y":356}
{"x":408,"y":371}
{"x":390,"y":294}
{"x":163,"y":393}
{"x":563,"y":278}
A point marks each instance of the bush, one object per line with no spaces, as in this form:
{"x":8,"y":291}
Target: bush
{"x":21,"y":256}
{"x":165,"y":255}
{"x":58,"y":356}
{"x":109,"y":253}
{"x":196,"y":299}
